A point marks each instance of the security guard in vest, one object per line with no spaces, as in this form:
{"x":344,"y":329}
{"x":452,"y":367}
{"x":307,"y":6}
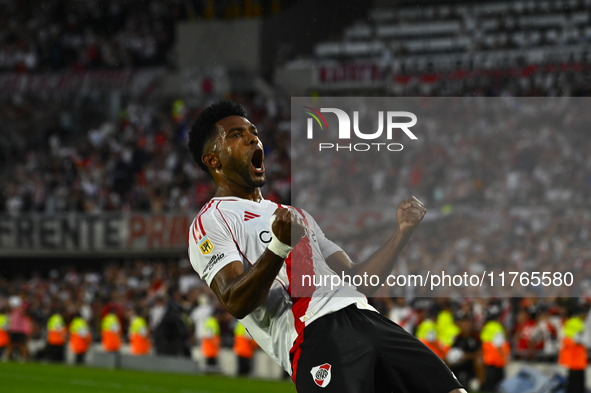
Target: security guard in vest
{"x":139,"y":335}
{"x":80,"y":338}
{"x":427,"y":329}
{"x":244,"y":347}
{"x":4,"y":336}
{"x":447,"y":330}
{"x":56,"y":338}
{"x":573,"y":354}
{"x":111,"y":333}
{"x":210,"y":343}
{"x":495,"y":348}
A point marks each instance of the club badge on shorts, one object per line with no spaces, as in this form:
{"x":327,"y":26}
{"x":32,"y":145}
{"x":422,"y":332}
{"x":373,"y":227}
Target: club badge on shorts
{"x":321,"y":374}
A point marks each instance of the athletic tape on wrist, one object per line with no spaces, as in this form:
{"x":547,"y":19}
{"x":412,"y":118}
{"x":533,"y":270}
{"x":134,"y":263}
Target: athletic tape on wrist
{"x":276,"y":246}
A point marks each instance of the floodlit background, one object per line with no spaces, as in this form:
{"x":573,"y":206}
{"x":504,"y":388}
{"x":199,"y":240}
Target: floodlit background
{"x":98,"y":188}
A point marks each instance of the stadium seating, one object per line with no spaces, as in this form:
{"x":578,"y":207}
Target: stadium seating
{"x":460,"y":28}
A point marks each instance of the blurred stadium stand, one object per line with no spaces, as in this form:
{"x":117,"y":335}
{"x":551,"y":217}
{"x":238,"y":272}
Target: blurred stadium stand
{"x":451,"y":49}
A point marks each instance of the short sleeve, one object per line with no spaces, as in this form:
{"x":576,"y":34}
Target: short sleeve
{"x":211,"y":245}
{"x":327,"y":247}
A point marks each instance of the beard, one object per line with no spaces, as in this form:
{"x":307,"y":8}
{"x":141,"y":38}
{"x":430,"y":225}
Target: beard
{"x":242,"y":169}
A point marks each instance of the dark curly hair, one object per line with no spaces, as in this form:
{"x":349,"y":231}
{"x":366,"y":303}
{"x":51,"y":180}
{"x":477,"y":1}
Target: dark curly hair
{"x":204,"y":127}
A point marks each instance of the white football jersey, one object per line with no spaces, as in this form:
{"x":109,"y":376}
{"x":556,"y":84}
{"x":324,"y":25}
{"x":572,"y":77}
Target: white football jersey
{"x":232,"y":229}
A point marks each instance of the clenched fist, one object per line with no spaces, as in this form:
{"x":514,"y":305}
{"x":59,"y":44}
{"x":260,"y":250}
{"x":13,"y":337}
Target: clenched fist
{"x":288,"y":226}
{"x":409,"y":215}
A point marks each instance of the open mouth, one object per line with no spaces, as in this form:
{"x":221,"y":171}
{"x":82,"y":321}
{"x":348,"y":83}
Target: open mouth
{"x":257,"y":161}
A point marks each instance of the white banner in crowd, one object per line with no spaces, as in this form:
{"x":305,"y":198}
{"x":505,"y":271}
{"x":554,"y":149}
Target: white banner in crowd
{"x":31,"y":234}
{"x":82,"y":81}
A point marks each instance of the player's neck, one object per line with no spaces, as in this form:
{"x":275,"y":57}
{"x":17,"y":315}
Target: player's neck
{"x":252,"y":194}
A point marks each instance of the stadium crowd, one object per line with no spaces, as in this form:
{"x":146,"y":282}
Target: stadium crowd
{"x":70,"y":158}
{"x":174,"y":309}
{"x":140,"y":162}
{"x":67,"y":35}
{"x":44,"y":36}
{"x":70,"y":35}
{"x":474,"y":242}
{"x":159,"y":307}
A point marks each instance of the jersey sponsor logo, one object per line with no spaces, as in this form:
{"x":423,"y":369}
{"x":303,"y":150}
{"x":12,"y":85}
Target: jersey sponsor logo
{"x":265,"y":236}
{"x":205,"y":246}
{"x":249,"y":216}
{"x":213,"y":261}
{"x":321,"y":374}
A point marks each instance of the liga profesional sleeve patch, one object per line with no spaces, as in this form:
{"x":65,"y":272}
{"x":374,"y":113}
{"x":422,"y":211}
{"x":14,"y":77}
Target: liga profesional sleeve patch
{"x":205,"y":246}
{"x":214,"y":248}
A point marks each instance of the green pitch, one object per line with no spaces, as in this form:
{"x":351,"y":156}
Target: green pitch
{"x":41,"y":378}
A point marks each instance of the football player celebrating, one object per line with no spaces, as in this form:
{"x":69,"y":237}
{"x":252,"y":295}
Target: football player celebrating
{"x":254,"y":254}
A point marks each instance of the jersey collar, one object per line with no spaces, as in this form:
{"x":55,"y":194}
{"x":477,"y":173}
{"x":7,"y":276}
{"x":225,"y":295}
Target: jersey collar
{"x":235,"y":198}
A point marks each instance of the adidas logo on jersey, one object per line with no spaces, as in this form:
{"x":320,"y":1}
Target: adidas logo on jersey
{"x":249,"y":216}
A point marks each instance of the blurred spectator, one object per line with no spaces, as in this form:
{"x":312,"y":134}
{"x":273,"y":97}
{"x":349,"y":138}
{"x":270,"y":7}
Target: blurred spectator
{"x":20,"y":329}
{"x":496,"y":351}
{"x":573,"y":354}
{"x":80,"y":338}
{"x":200,"y":314}
{"x":188,"y":280}
{"x":171,"y":335}
{"x":139,"y":334}
{"x":56,"y":337}
{"x":545,"y":333}
{"x":447,"y":330}
{"x":465,"y":355}
{"x":244,"y":347}
{"x":4,"y":337}
{"x":157,"y":311}
{"x":403,"y":315}
{"x":211,"y":342}
{"x":111,"y":332}
{"x":427,"y":328}
{"x":524,"y":345}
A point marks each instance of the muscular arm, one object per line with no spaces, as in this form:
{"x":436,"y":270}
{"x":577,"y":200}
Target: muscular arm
{"x":380,"y":263}
{"x":241,"y":292}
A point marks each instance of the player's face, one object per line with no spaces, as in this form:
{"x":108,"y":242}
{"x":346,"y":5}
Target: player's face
{"x":241,"y":152}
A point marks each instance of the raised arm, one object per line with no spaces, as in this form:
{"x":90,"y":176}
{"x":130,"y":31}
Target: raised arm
{"x":241,"y":292}
{"x":409,"y":215}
